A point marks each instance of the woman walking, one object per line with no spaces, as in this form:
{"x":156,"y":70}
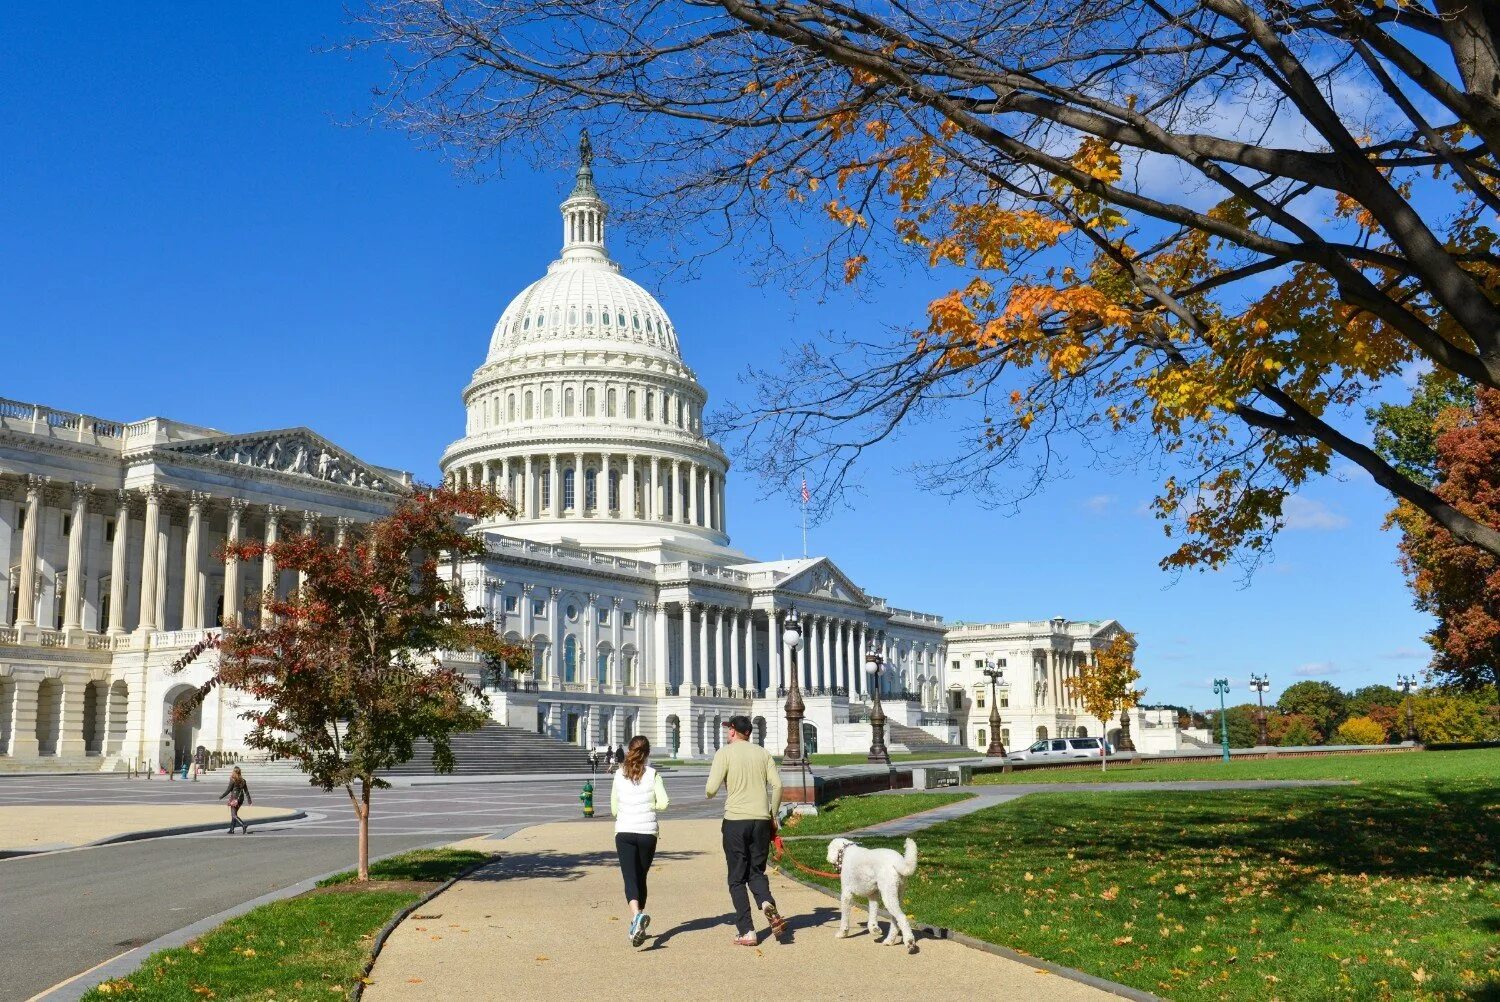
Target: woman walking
{"x":238,"y":793}
{"x":634,"y":799}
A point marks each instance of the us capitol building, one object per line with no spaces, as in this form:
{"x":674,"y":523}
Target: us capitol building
{"x":618,"y":571}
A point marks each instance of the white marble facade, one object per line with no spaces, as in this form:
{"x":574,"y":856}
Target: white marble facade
{"x":618,"y":571}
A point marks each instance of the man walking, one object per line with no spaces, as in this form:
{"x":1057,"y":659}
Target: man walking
{"x":749,"y":823}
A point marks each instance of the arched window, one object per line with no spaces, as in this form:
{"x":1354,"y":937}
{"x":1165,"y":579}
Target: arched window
{"x":1083,"y":732}
{"x":609,"y":403}
{"x":567,"y":497}
{"x":591,"y":490}
{"x":1005,"y":736}
{"x":528,"y":405}
{"x":681,"y":411}
{"x":601,"y":668}
{"x":546,"y":403}
{"x":588,"y":402}
{"x":572,"y":316}
{"x":614,"y":488}
{"x":546,"y":481}
{"x":526,"y":324}
{"x":605,"y":316}
{"x":620,"y":317}
{"x":541,"y":320}
{"x":627,"y":669}
{"x":570,"y":659}
{"x":588,"y":315}
{"x":635,"y":320}
{"x":568,"y":402}
{"x":982,"y":738}
{"x":650,"y":406}
{"x":510,"y":407}
{"x":630,"y":404}
{"x":1041,"y":734}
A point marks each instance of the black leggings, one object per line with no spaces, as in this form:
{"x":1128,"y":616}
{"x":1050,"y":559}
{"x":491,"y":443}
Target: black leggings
{"x":635,"y":852}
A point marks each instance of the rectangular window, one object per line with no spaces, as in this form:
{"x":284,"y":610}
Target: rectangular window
{"x":979,"y":664}
{"x":627,"y":619}
{"x":512,"y":603}
{"x":538,"y":608}
{"x":979,"y":699}
{"x":604,"y":615}
{"x":1004,"y":700}
{"x":67,"y":525}
{"x":109,"y":530}
{"x":1000,"y":662}
{"x":958,"y":666}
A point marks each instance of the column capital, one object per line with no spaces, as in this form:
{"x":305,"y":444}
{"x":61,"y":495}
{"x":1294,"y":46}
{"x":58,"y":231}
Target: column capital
{"x":153,"y":493}
{"x":309,"y":521}
{"x":615,"y":601}
{"x":343,"y":522}
{"x":122,"y":502}
{"x":555,"y":592}
{"x":527,"y":589}
{"x":82,"y":492}
{"x":196,"y":501}
{"x":238,"y":505}
{"x":35,"y":485}
{"x":274,"y":512}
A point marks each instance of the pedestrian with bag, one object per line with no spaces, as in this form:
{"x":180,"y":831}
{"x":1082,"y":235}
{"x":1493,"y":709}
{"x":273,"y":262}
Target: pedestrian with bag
{"x":238,"y":793}
{"x":750,"y":809}
{"x":636,"y":797}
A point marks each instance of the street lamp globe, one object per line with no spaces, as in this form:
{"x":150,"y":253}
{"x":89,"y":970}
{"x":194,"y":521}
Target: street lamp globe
{"x":795,"y":755}
{"x":791,"y":635}
{"x":878,"y":752}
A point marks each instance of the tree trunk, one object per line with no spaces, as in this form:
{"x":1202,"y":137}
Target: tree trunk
{"x":364,"y":830}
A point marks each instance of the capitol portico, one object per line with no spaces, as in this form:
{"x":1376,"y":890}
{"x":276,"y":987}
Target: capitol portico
{"x":617,"y":572}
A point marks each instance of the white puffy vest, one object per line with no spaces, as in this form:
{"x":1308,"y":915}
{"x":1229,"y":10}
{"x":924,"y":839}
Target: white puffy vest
{"x":636,"y":802}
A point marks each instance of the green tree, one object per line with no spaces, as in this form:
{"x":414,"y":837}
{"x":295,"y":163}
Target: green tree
{"x":1243,"y":731}
{"x":1406,"y":434}
{"x":1441,"y":718}
{"x":1359,"y":731}
{"x":1324,"y":702}
{"x":346,"y":669}
{"x":1366,"y":698}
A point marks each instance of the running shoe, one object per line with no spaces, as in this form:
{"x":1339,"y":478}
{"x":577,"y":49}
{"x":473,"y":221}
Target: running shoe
{"x":749,"y":939}
{"x":638,"y":929}
{"x":635,"y":927}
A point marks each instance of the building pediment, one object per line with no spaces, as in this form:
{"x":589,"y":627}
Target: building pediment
{"x":297,"y":452}
{"x":824,"y":580}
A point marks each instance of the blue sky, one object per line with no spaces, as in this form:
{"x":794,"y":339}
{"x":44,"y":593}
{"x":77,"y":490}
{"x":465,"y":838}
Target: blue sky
{"x":193,"y":225}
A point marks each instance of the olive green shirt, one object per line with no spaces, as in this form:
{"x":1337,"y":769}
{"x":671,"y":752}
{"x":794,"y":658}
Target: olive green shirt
{"x":753,"y":780}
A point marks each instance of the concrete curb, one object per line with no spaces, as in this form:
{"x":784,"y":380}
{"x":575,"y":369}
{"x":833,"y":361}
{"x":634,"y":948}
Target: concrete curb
{"x":924,"y":930}
{"x":75,"y":987}
{"x":145,"y":833}
{"x":396,"y":919}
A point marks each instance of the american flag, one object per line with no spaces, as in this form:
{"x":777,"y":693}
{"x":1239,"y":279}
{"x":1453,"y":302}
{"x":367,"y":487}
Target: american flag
{"x":806,"y":494}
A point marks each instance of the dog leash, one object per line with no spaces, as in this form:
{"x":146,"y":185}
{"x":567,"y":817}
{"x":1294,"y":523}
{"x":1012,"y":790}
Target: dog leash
{"x":781,"y":852}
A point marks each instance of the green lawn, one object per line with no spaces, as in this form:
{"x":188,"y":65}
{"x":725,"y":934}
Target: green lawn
{"x":1385,"y":890}
{"x":848,"y":813}
{"x":311,"y":946}
{"x":1376,"y":766}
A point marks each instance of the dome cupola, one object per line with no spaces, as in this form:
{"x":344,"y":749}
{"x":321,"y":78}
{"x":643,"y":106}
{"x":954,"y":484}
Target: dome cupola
{"x":585,"y":414}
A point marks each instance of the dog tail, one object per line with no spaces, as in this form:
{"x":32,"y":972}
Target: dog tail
{"x":909,"y":860}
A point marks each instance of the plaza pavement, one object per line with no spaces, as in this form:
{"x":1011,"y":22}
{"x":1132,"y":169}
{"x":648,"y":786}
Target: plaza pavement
{"x":547,"y":920}
{"x":45,"y":828}
{"x":66,"y":912}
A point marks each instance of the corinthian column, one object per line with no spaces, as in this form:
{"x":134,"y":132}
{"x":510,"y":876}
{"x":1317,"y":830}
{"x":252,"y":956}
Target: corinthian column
{"x":77,"y":573}
{"x":192,"y":560}
{"x":268,"y":571}
{"x":26,"y":600}
{"x":232,"y":562}
{"x":117,"y":564}
{"x":150,"y":550}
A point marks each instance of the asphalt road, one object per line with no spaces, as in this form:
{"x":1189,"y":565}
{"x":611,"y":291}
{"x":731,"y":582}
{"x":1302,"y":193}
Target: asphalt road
{"x":63,"y":913}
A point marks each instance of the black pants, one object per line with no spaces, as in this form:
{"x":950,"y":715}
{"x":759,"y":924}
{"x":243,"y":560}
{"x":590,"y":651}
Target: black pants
{"x":747,"y":844}
{"x":635,"y":852}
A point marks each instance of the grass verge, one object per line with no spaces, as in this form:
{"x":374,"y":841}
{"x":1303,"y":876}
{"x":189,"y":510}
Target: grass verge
{"x":312,"y":946}
{"x":1360,"y":767}
{"x":1385,"y":890}
{"x":861,"y":759}
{"x":848,"y":813}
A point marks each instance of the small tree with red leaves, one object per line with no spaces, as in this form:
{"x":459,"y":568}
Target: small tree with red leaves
{"x":346,"y":669}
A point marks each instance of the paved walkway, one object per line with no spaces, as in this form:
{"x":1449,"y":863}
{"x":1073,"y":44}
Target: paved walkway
{"x":35,"y":828}
{"x":548,"y":921}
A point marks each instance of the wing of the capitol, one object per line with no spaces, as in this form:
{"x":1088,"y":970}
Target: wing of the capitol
{"x":618,"y":572}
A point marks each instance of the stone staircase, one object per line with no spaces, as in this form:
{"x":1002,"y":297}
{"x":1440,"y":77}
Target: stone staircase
{"x":919,"y":742}
{"x":497,"y":750}
{"x":45,"y":764}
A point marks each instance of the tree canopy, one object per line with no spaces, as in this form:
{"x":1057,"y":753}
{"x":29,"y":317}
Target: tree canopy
{"x":1205,"y":229}
{"x":344,"y":672}
{"x":1323,"y":702}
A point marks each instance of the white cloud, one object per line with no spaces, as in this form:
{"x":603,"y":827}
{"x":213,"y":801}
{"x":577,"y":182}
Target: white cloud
{"x":1099,"y":503}
{"x":1413,"y":371}
{"x":1304,"y":513}
{"x":1316,"y":669}
{"x":1406,"y":654}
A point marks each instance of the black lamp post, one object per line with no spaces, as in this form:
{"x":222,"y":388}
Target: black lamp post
{"x":879,"y":755}
{"x":792,"y":637}
{"x":1404,"y":683}
{"x":1260,"y":683}
{"x":996,"y":677}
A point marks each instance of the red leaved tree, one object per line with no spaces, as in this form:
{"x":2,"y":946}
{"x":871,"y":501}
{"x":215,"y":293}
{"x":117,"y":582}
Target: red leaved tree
{"x":344,"y":670}
{"x":1458,"y":583}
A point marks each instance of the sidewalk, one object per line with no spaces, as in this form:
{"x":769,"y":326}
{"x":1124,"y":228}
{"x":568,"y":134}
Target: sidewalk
{"x":43,"y":828}
{"x":547,"y":921}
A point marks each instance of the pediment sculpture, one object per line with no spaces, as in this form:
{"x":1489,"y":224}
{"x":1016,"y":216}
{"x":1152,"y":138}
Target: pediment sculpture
{"x":295,"y":454}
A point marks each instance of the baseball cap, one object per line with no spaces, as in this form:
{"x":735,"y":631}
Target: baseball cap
{"x":740,"y":723}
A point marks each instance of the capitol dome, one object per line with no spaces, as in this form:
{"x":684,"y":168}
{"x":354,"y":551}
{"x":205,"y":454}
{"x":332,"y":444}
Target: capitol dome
{"x":585,"y":414}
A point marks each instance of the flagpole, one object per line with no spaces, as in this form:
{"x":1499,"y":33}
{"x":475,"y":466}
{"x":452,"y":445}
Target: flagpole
{"x":804,"y":530}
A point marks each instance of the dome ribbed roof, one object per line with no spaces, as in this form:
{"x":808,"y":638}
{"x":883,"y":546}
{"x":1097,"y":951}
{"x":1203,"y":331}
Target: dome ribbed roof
{"x":583,"y":303}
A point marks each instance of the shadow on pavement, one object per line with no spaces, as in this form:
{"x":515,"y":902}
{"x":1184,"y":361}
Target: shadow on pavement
{"x":559,"y":865}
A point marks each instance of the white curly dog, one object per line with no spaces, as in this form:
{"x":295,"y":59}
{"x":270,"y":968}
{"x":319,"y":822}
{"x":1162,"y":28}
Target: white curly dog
{"x":867,"y":873}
